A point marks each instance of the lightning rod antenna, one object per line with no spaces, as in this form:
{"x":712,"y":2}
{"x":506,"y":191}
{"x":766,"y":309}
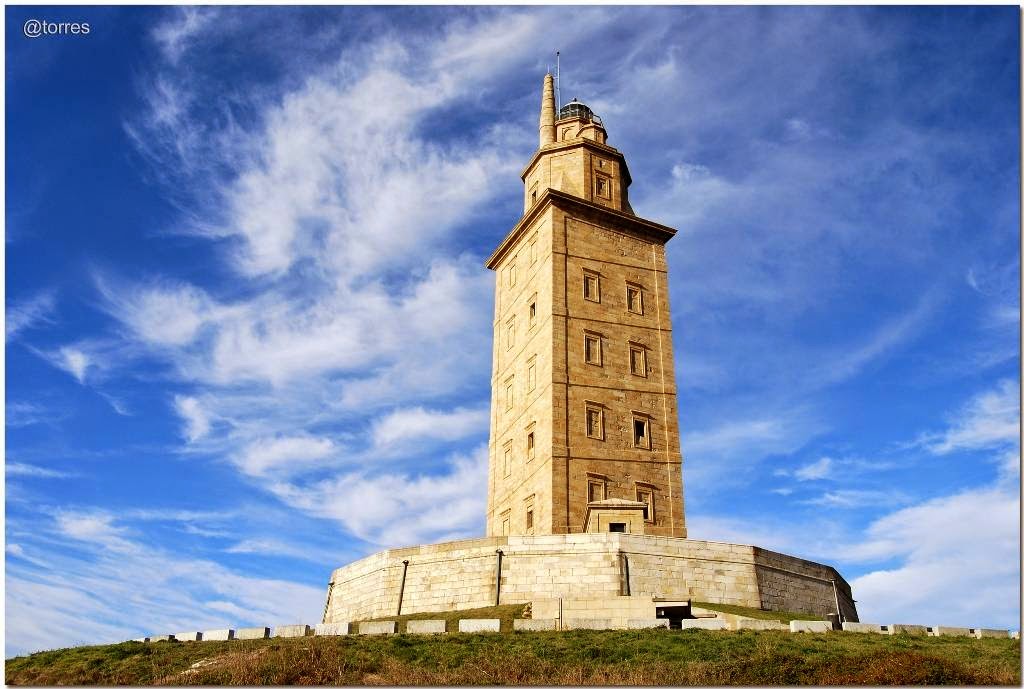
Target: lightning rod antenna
{"x":558,"y":92}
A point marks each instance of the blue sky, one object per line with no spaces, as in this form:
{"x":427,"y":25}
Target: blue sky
{"x":248,"y":325}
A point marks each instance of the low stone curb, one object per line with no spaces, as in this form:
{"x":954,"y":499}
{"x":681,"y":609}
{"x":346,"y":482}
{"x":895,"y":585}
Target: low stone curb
{"x":912,"y":629}
{"x":425,"y":627}
{"x":387,"y":627}
{"x":287,"y":631}
{"x":951,"y":631}
{"x":479,"y":625}
{"x":333,"y":629}
{"x":708,"y":624}
{"x":438,"y":626}
{"x":992,"y":633}
{"x":761,"y":625}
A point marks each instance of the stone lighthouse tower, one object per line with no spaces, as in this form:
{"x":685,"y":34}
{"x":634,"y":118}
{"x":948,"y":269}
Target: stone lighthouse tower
{"x":585,"y":494}
{"x":584,"y":433}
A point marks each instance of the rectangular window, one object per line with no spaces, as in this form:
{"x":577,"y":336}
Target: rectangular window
{"x":531,"y":444}
{"x":510,"y":332}
{"x":507,"y":463}
{"x":595,"y":422}
{"x":591,"y":286}
{"x":595,"y":489}
{"x":512,"y":275}
{"x":617,"y":527}
{"x":532,"y":313}
{"x":604,"y":186}
{"x":646,"y":496}
{"x":635,"y":299}
{"x":531,"y":373}
{"x":533,"y":248}
{"x":528,"y":510}
{"x":533,"y":194}
{"x":637,"y":360}
{"x":509,"y":392}
{"x":506,"y":521}
{"x":641,"y":432}
{"x":592,"y":348}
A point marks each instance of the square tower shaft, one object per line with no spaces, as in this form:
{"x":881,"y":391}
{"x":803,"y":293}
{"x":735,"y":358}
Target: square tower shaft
{"x":584,"y":421}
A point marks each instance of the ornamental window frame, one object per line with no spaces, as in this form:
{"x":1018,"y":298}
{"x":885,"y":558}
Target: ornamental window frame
{"x":593,"y":348}
{"x":593,"y":420}
{"x":641,"y":420}
{"x":638,"y":359}
{"x":635,"y":306}
{"x":592,"y":286}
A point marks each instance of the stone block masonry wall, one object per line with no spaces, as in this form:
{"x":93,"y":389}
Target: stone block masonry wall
{"x":685,"y":569}
{"x":790,"y":583}
{"x":446,"y":576}
{"x":462,"y":574}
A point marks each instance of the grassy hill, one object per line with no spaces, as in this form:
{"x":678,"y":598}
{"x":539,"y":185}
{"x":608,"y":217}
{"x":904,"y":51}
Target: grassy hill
{"x":548,"y":658}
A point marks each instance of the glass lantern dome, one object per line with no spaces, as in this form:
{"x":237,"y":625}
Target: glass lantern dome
{"x":577,"y":109}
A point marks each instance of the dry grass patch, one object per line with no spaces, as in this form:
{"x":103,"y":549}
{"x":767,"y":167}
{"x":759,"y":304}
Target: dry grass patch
{"x":583,"y":657}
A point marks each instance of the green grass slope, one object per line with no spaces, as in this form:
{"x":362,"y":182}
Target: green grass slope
{"x":643,"y":657}
{"x":505,"y":613}
{"x":757,"y":613}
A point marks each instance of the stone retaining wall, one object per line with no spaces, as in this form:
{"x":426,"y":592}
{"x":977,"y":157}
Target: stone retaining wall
{"x":461,"y":575}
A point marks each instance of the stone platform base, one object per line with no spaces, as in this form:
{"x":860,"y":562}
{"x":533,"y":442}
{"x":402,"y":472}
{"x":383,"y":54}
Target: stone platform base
{"x":540,"y":569}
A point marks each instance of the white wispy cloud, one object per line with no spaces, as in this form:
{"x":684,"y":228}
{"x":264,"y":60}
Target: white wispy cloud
{"x":731,"y":451}
{"x":334,"y":198}
{"x":197,"y":420}
{"x":889,"y":336}
{"x":989,"y":420}
{"x":116,"y":403}
{"x":18,"y":414}
{"x":29,"y":313}
{"x":736,"y":436}
{"x":416,"y":424}
{"x":74,"y":361}
{"x":101,"y":582}
{"x":859,"y":499}
{"x":276,"y":548}
{"x":837,"y":469}
{"x":21,"y":469}
{"x":815,"y":470}
{"x":90,"y":361}
{"x":779,"y":532}
{"x":389,"y":509}
{"x":98,"y":528}
{"x":176,"y":35}
{"x":284,"y":454}
{"x":166,"y":313}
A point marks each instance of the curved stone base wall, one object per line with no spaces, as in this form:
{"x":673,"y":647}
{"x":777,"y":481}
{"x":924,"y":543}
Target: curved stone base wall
{"x":464,"y":574}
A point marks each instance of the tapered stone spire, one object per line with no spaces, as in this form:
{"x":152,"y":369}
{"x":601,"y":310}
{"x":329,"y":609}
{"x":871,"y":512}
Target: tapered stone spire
{"x":547,"y":112}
